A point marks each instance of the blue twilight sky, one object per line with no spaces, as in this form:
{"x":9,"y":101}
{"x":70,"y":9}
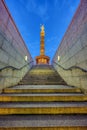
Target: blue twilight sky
{"x":29,"y":15}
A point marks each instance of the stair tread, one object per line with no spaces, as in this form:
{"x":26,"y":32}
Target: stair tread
{"x":42,"y":105}
{"x":42,"y":120}
{"x":42,"y":94}
{"x":42,"y":87}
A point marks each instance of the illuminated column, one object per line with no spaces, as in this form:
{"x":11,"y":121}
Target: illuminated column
{"x":42,"y":34}
{"x":42,"y":58}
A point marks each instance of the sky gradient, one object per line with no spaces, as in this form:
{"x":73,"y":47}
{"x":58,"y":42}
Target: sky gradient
{"x":55,"y":15}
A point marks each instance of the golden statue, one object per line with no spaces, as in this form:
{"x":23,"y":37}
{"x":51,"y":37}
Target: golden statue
{"x":42,"y":28}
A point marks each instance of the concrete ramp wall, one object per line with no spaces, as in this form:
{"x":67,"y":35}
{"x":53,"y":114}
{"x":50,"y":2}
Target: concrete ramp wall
{"x":72,"y":52}
{"x":12,"y":51}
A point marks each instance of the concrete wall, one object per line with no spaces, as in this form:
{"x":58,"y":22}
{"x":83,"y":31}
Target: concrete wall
{"x":73,"y":50}
{"x":12,"y":50}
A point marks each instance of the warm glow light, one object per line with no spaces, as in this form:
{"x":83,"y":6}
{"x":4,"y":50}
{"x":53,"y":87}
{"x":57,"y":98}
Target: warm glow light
{"x":58,"y":58}
{"x":26,"y":58}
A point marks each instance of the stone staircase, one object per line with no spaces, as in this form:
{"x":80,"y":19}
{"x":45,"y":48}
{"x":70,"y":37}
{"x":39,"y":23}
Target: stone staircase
{"x":43,"y":107}
{"x":42,"y":75}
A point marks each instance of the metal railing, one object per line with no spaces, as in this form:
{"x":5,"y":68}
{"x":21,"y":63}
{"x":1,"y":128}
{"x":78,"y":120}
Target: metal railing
{"x":72,"y":67}
{"x":14,"y":68}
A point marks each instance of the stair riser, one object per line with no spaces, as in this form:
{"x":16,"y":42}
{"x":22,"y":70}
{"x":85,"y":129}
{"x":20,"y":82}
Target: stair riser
{"x":47,"y":128}
{"x":42,"y":91}
{"x":42,"y":98}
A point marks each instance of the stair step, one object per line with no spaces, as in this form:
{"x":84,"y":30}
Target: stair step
{"x":41,"y":83}
{"x":42,"y":75}
{"x":43,"y":122}
{"x":42,"y":79}
{"x":42,"y":104}
{"x":42,"y":89}
{"x":40,"y":108}
{"x":46,"y":128}
{"x":42,"y":97}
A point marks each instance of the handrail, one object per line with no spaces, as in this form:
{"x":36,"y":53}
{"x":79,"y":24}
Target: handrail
{"x":73,"y":67}
{"x":11,"y":67}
